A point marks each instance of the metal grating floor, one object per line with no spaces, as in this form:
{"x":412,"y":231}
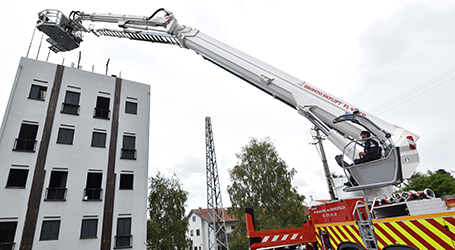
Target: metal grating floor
{"x":154,"y":37}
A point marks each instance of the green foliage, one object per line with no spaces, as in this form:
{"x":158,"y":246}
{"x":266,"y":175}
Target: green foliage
{"x":261,"y":180}
{"x":239,"y":243}
{"x":441,"y":182}
{"x":167,"y":225}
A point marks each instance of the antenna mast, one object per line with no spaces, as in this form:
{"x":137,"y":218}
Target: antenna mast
{"x":216,"y":225}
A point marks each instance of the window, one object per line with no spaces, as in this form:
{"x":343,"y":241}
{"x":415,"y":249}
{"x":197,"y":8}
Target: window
{"x":129,"y":147}
{"x":131,"y":108}
{"x":198,"y":232}
{"x":7,"y":233}
{"x":89,"y":228}
{"x":27,"y":138}
{"x":123,"y":237}
{"x":17,"y":178}
{"x":194,"y":218}
{"x":57,"y":186}
{"x":232,"y":227}
{"x":71,"y":104}
{"x":99,"y":140}
{"x":195,"y":248}
{"x":93,"y":186}
{"x":126,"y":181}
{"x":65,"y":136}
{"x":50,"y":230}
{"x":102,"y":108}
{"x":191,"y":233}
{"x":37,"y":92}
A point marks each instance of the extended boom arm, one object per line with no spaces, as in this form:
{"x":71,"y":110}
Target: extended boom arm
{"x":318,"y":106}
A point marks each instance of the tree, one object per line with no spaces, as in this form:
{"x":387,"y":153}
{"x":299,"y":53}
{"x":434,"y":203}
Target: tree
{"x":441,"y":182}
{"x":261,"y":180}
{"x":167,"y":225}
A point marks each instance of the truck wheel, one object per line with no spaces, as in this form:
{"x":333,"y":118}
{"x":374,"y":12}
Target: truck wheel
{"x":350,"y":246}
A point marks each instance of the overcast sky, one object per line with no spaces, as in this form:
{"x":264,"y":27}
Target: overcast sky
{"x":367,"y":53}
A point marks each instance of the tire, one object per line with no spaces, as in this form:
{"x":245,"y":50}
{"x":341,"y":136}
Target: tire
{"x":350,"y":246}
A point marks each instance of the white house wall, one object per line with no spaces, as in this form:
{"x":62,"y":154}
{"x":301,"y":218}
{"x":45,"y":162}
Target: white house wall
{"x":77,"y":159}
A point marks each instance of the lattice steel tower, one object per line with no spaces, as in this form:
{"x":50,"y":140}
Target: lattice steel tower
{"x":217,"y":227}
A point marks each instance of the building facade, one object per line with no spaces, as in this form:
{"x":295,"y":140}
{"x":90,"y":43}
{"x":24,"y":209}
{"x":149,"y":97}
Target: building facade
{"x":74,"y":160}
{"x":198,"y":228}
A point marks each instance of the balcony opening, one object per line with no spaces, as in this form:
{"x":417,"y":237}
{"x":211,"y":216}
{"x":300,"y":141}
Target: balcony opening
{"x":27,"y":138}
{"x":7,"y":233}
{"x":57,"y":186}
{"x":71,"y":104}
{"x":129,"y":148}
{"x":123,"y":237}
{"x":102,"y":108}
{"x":93,"y":186}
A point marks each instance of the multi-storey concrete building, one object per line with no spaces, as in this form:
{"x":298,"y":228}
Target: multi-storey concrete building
{"x":74,"y":160}
{"x":198,"y":228}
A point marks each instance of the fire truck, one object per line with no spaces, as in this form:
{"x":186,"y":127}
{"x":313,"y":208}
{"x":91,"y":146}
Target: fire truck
{"x":366,"y":215}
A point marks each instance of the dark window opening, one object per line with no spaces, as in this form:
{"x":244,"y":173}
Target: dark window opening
{"x":27,"y":138}
{"x":102,"y":108}
{"x":129,"y":148}
{"x":50,"y":230}
{"x":71,"y":104}
{"x":198,"y":232}
{"x":17,"y":178}
{"x":126,"y":181}
{"x":131,"y":108}
{"x":7,"y":233}
{"x":93,"y":186}
{"x":57,"y":186}
{"x":99,"y":140}
{"x":37,"y":92}
{"x":89,"y":228}
{"x":65,"y":136}
{"x":123,"y":237}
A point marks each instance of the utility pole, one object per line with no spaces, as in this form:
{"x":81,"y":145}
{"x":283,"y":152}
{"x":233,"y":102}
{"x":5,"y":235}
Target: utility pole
{"x":215,"y":210}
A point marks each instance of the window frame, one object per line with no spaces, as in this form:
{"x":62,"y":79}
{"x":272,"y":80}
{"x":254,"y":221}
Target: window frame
{"x":71,"y":100}
{"x":120,"y":234}
{"x":41,"y":93}
{"x":98,"y":139}
{"x":57,"y":186}
{"x":93,"y":192}
{"x":100,"y":111}
{"x":128,"y":147}
{"x":46,"y":223}
{"x":131,"y":108}
{"x":65,"y":136}
{"x":8,"y":234}
{"x":27,"y":137}
{"x":8,"y":180}
{"x":123,"y":180}
{"x":92,"y":226}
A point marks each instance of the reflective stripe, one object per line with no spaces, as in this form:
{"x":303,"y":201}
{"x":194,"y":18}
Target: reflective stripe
{"x":412,"y":144}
